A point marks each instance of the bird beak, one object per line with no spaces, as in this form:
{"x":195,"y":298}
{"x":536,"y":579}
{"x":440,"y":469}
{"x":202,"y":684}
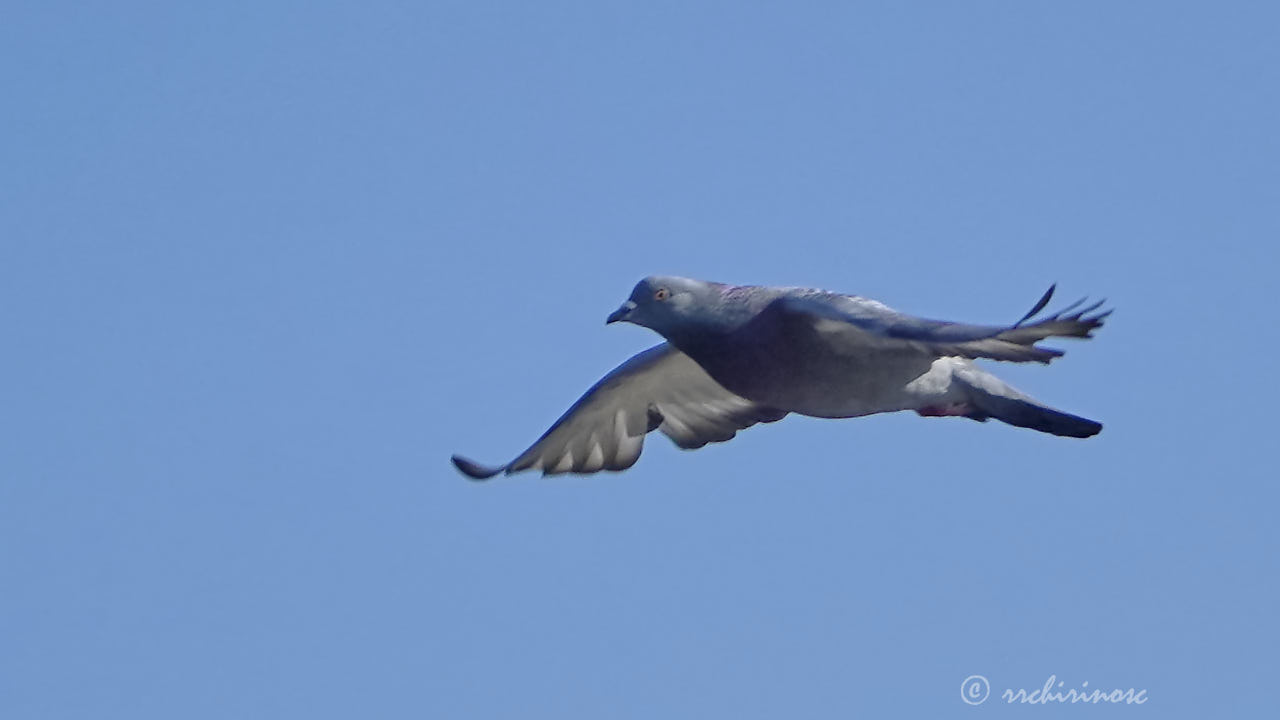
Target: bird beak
{"x":621,"y":313}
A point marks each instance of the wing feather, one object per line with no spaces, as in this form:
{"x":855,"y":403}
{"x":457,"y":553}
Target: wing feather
{"x":860,"y":324}
{"x":660,"y":388}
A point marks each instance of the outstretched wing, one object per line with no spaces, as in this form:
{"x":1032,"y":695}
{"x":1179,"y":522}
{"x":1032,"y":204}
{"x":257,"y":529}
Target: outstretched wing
{"x":660,"y":388}
{"x":855,"y":323}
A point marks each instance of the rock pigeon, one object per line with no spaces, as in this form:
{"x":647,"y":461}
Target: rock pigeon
{"x":735,"y":356}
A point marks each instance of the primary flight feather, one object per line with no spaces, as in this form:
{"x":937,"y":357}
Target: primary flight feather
{"x":735,"y":356}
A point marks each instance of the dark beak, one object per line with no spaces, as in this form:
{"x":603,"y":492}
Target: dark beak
{"x":621,"y":313}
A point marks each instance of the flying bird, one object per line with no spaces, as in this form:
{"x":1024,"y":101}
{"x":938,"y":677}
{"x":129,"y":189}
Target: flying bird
{"x":735,"y":356}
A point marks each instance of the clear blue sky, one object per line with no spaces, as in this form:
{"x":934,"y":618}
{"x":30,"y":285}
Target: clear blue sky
{"x":266,"y":265}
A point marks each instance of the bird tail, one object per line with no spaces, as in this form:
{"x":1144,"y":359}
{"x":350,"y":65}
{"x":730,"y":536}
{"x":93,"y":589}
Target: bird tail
{"x":992,"y":398}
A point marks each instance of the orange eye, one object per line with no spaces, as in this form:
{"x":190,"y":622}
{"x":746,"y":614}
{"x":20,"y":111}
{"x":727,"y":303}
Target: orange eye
{"x":661,"y":294}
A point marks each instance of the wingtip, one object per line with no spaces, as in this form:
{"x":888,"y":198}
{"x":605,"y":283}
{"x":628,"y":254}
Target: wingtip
{"x":1040,"y":304}
{"x":473,"y":469}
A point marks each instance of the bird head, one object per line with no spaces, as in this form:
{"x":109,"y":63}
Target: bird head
{"x":666,"y":305}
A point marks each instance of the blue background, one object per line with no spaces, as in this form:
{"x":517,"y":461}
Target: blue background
{"x":266,"y":265}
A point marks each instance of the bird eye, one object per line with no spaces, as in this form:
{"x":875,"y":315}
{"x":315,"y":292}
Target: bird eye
{"x":661,"y":294}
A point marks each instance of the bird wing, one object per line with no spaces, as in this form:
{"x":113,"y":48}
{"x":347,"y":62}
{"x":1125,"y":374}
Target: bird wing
{"x":860,"y":325}
{"x":660,"y":388}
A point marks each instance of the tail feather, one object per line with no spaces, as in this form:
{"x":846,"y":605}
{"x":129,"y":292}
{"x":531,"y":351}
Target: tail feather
{"x":1037,"y":417}
{"x":993,"y":398}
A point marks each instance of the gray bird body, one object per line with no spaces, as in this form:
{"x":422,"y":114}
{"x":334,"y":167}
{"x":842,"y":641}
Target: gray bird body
{"x":808,"y":365}
{"x":738,"y":355}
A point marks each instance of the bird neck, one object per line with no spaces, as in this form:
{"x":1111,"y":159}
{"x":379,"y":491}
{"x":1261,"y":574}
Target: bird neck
{"x":700,"y":342}
{"x":707,"y":330}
